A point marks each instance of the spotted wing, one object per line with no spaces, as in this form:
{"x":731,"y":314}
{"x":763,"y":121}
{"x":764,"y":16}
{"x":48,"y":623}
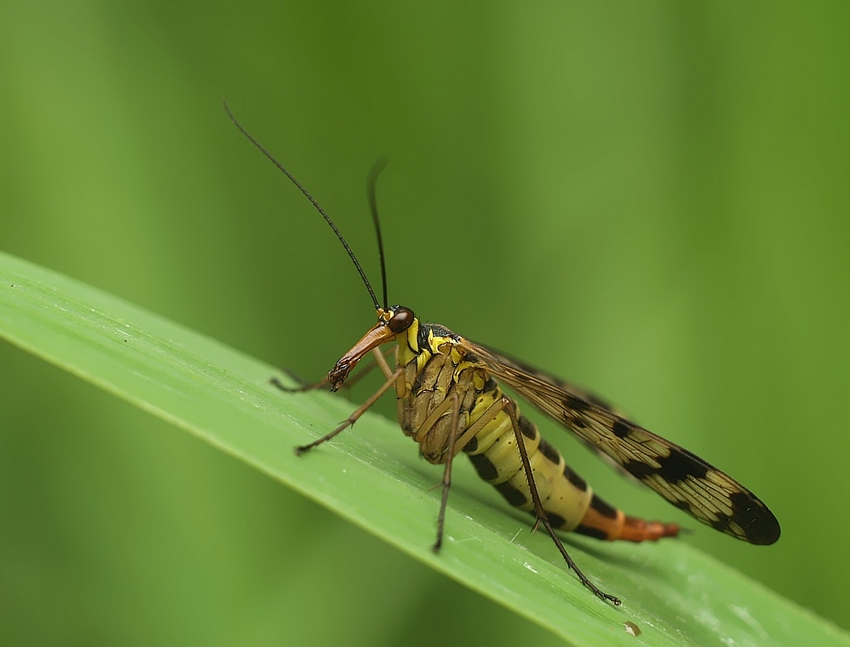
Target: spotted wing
{"x":684,"y":479}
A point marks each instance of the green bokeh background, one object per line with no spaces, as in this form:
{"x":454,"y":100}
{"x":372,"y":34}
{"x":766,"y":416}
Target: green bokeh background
{"x":651,"y":199}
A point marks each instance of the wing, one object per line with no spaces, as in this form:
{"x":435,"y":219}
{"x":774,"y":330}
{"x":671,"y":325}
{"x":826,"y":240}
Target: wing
{"x":684,"y":479}
{"x":569,"y":388}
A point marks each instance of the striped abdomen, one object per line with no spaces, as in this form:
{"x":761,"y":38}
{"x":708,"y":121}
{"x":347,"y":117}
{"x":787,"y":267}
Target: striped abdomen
{"x":567,"y":499}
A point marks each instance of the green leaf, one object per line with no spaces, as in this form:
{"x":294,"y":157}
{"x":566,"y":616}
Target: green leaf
{"x":671,"y":592}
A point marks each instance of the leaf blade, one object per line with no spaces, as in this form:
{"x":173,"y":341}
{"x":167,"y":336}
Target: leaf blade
{"x":372,"y":477}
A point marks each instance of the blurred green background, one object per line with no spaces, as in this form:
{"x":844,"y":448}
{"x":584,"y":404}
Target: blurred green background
{"x":650,"y":199}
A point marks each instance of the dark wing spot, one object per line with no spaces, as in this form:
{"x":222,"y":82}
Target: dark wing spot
{"x":679,"y":465}
{"x":620,"y":429}
{"x":675,"y":468}
{"x":759,"y":524}
{"x":639,"y":469}
{"x":576,"y":403}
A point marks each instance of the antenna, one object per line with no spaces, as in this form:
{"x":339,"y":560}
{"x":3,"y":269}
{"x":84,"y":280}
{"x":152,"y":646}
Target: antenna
{"x":377,"y":169}
{"x":318,"y":207}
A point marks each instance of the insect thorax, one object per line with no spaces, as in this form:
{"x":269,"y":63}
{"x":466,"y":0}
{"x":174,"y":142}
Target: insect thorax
{"x":435,"y":368}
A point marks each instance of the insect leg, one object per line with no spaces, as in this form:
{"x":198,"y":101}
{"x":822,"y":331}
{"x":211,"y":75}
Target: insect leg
{"x":303,"y":387}
{"x":380,"y":360}
{"x":356,"y":415}
{"x":454,"y":398}
{"x":538,"y":507}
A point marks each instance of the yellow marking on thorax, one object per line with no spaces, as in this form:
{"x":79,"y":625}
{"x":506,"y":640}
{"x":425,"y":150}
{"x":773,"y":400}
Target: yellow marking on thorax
{"x":416,"y":357}
{"x":408,"y":346}
{"x":410,"y":351}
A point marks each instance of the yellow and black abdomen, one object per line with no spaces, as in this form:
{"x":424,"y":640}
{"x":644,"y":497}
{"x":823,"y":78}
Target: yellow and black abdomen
{"x":568,"y":501}
{"x":493,"y":451}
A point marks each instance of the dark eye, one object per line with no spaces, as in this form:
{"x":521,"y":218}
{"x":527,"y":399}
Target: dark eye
{"x":401,"y":320}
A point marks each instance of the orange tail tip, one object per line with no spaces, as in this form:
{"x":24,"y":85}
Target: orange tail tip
{"x":636,"y":529}
{"x":605,"y":522}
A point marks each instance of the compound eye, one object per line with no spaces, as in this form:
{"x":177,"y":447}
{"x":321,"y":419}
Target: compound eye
{"x":401,"y":320}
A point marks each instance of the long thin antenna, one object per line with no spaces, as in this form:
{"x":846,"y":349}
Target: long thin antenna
{"x":377,"y":169}
{"x":306,"y":193}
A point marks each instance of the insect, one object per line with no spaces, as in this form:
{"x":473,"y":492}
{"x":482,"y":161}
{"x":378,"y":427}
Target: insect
{"x":450,"y":402}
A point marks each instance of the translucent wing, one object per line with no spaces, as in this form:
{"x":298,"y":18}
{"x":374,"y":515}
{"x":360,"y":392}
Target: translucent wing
{"x":684,"y":479}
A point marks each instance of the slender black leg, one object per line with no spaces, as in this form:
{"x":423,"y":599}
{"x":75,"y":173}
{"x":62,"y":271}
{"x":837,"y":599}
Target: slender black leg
{"x":541,"y":514}
{"x":447,"y":472}
{"x":354,"y":416}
